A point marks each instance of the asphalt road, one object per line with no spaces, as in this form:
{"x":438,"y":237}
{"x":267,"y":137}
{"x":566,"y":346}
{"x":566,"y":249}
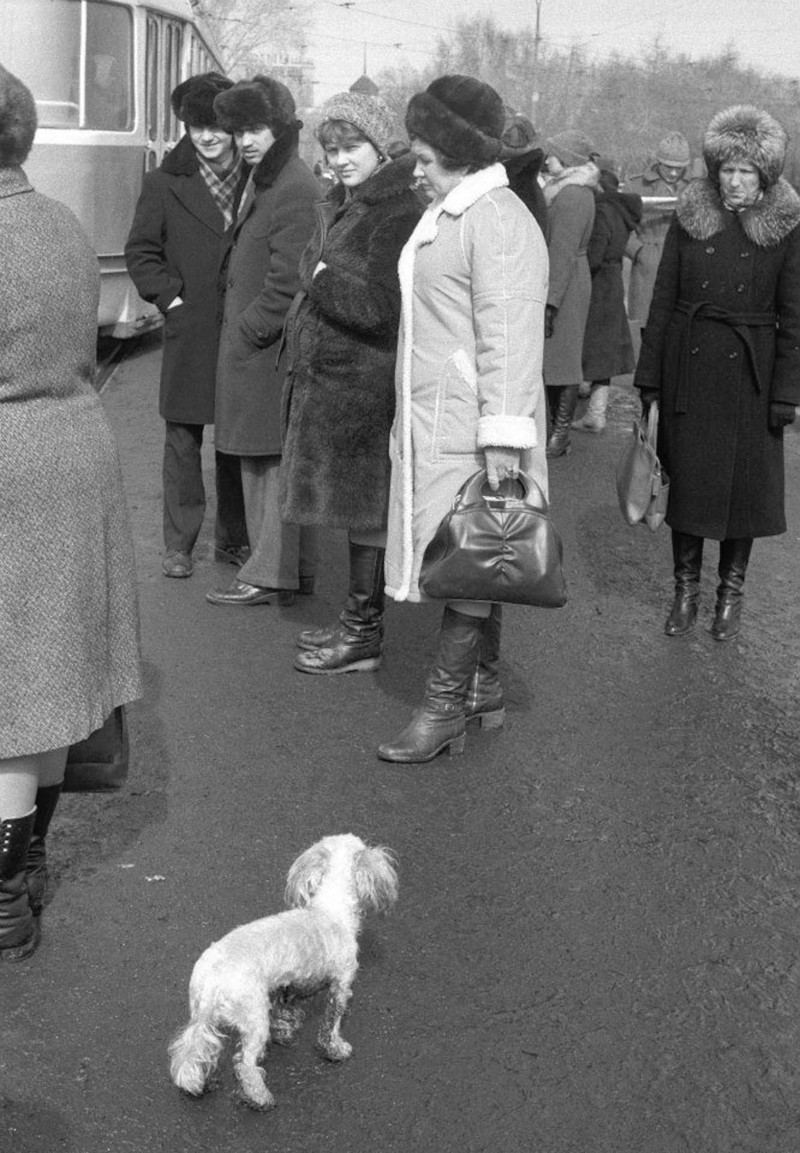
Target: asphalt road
{"x":596,"y":944}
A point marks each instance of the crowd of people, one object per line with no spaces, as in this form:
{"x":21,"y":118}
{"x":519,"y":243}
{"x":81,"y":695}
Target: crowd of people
{"x":361,"y":351}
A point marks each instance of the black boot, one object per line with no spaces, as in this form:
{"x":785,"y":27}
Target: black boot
{"x":19,"y":929}
{"x":687,"y":553}
{"x":484,"y":701}
{"x":36,"y":868}
{"x":558,"y":443}
{"x":441,"y":721}
{"x":733,"y":557}
{"x":354,"y":643}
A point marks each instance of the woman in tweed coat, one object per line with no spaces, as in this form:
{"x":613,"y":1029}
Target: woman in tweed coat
{"x":69,"y":651}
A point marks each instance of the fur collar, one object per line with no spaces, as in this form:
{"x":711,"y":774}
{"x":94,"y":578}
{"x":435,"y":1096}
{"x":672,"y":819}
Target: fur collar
{"x":528,"y":164}
{"x":581,"y":176}
{"x":701,"y":213}
{"x":386,"y":182}
{"x":468,"y":192}
{"x":182,"y":160}
{"x":279,"y":155}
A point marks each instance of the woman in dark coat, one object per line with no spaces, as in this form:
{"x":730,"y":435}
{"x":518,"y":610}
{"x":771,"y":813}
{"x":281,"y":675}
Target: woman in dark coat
{"x":523,"y":160}
{"x":607,"y":344}
{"x":174,"y":253}
{"x":721,"y":355}
{"x":342,"y":340}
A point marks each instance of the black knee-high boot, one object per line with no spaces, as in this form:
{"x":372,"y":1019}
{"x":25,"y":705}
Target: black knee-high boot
{"x":485,"y":694}
{"x":440,"y":722}
{"x":36,"y":866}
{"x":353,"y":644}
{"x":558,"y":443}
{"x":687,"y":554}
{"x":19,"y":929}
{"x":733,"y":557}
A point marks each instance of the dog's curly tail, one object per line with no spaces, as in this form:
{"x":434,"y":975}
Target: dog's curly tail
{"x":194,"y":1053}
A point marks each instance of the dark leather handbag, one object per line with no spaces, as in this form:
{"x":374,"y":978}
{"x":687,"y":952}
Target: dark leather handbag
{"x":102,"y":760}
{"x":499,"y":547}
{"x":642,"y":484}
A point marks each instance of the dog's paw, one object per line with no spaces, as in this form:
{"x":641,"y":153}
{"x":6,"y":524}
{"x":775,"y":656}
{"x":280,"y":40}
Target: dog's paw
{"x":261,"y":1103}
{"x":332,"y":1050}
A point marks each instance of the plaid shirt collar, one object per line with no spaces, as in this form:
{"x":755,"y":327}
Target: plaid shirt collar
{"x":222,"y":188}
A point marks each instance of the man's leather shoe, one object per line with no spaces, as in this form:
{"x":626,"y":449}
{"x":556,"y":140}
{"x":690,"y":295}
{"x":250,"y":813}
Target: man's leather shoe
{"x":177,"y":564}
{"x":241,"y":593}
{"x":232,"y":554}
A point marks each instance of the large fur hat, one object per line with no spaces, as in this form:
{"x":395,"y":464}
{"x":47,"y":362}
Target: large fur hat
{"x":745,"y":133}
{"x":461,"y":117}
{"x":261,"y":100}
{"x":193,"y":100}
{"x":369,"y":114}
{"x":17,"y":120}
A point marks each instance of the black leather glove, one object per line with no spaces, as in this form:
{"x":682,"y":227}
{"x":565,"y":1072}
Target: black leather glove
{"x":550,"y":311}
{"x":780,"y":414}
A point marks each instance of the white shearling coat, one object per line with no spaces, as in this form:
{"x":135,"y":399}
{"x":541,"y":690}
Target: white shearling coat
{"x":474,"y":278}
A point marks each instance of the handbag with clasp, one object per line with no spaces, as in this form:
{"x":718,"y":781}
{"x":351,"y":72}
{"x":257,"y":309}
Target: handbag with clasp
{"x":642,"y":484}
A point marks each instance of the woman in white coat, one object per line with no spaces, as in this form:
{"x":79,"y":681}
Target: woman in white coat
{"x":473,"y":278}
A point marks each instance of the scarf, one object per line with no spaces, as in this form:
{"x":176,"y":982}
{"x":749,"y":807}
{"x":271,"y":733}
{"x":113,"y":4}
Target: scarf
{"x":222,"y":188}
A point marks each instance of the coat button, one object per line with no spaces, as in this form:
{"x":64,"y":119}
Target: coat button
{"x":704,"y":284}
{"x":732,"y":355}
{"x":711,"y":250}
{"x":740,"y":288}
{"x":695,"y":351}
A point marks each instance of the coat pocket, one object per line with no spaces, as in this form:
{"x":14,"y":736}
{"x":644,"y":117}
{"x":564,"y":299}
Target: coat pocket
{"x":457,"y":411}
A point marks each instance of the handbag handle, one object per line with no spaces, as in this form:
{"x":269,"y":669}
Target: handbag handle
{"x":475,"y":490}
{"x":652,"y":424}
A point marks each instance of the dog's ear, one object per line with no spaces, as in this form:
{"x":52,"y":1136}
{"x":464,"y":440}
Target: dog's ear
{"x":375,"y":878}
{"x":305,"y":876}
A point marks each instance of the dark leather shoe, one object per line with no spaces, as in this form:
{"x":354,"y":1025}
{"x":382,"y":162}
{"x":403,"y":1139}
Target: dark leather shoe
{"x":231,"y":554}
{"x":177,"y":564}
{"x":241,"y":593}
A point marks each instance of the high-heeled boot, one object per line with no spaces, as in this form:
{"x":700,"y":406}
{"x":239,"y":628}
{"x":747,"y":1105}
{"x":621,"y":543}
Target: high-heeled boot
{"x":687,"y":554}
{"x":353,"y":644}
{"x":440,"y":722}
{"x":558,"y":443}
{"x":733,"y":557}
{"x":19,"y":929}
{"x":36,"y":866}
{"x":484,"y":701}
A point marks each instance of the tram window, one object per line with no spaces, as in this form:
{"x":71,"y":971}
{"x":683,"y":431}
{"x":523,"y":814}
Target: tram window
{"x":108,"y":68}
{"x":152,"y":79}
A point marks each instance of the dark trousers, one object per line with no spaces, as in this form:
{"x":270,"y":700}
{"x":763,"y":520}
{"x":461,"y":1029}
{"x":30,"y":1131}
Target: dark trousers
{"x":185,"y":496}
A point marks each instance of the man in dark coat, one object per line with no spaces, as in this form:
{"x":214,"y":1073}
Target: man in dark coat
{"x":275,"y":222}
{"x":174,"y":254}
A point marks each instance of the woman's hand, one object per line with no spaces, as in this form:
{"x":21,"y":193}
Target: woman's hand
{"x":501,"y":464}
{"x":550,"y":311}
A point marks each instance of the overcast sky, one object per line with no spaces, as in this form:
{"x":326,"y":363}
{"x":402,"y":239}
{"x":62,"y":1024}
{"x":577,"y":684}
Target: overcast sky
{"x":765,"y":32}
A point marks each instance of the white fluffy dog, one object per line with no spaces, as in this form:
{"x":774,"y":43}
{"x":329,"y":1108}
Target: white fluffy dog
{"x":251,"y":979}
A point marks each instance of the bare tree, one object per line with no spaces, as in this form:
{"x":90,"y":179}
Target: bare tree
{"x":255,"y":35}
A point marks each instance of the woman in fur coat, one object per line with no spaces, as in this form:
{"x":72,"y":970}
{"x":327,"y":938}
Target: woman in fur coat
{"x":473,"y":279}
{"x":339,"y":396}
{"x":572,"y":177}
{"x":721,"y":355}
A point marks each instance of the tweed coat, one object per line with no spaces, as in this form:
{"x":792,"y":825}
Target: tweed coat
{"x":175,"y":248}
{"x":342,"y":341}
{"x":69,"y":650}
{"x":473,"y":278}
{"x":651,"y":234}
{"x":607,"y":344}
{"x":275,"y":222}
{"x":723,"y":341}
{"x":570,"y":217}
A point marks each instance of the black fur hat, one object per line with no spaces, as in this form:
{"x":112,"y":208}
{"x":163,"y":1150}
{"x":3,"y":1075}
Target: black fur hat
{"x":461,"y":117}
{"x":17,"y":120}
{"x":261,"y":100}
{"x":745,"y":133}
{"x":193,"y":100}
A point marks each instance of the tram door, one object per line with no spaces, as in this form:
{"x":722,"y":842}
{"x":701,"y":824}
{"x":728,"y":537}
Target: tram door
{"x":163,"y":54}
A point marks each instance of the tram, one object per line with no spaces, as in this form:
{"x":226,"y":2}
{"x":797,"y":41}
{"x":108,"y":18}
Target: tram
{"x":101,"y":72}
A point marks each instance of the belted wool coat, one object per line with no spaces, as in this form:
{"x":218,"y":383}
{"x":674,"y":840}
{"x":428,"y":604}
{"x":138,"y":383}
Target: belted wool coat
{"x":722,"y":342}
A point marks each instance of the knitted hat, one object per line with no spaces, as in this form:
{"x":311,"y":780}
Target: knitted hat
{"x":745,"y":133}
{"x":519,"y":135}
{"x":571,"y":147}
{"x":259,"y":101}
{"x":461,"y":117}
{"x":17,"y":120}
{"x":193,"y":100}
{"x":673,"y":150}
{"x":369,"y":114}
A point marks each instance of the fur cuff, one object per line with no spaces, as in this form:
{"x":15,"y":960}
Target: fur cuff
{"x":507,"y":432}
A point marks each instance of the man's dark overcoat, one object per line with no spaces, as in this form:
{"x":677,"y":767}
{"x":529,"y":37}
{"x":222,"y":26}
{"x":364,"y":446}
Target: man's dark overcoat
{"x":175,"y":248}
{"x":276,"y":220}
{"x":723,"y":341}
{"x":342,"y":339}
{"x":607,"y":344}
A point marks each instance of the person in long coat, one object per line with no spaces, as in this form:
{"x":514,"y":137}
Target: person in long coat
{"x":721,"y":355}
{"x":339,"y":395}
{"x":572,"y":176}
{"x":275,"y":222}
{"x":174,"y":255}
{"x":473,"y":279}
{"x":607,"y":344}
{"x":69,"y":640}
{"x":523,"y":159}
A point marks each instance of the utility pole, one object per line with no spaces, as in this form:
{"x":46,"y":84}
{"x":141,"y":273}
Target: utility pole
{"x":535,"y":78}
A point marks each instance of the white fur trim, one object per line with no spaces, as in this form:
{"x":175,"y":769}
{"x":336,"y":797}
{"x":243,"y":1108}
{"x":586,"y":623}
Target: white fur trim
{"x":497,"y":431}
{"x":469,"y":190}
